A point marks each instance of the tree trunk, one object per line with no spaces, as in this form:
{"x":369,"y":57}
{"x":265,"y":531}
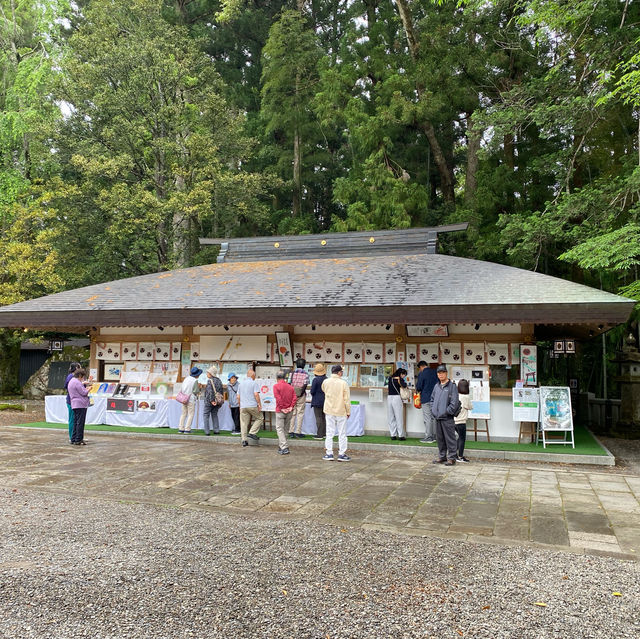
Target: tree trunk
{"x":471,"y":179}
{"x":447,"y":182}
{"x":9,"y":362}
{"x":297,"y":173}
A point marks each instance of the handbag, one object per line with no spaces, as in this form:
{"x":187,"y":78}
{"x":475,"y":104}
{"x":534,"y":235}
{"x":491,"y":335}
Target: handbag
{"x":417,"y":402}
{"x":183,"y":398}
{"x":405,"y":394}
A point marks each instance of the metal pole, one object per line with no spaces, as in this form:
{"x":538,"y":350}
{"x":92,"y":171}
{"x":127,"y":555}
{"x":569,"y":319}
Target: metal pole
{"x":604,"y":367}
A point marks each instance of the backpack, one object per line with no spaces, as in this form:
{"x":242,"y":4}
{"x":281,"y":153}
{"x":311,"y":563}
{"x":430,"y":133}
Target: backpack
{"x":459,"y":407}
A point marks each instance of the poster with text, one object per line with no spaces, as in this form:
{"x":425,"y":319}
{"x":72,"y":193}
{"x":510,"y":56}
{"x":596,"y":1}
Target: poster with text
{"x":555,"y":408}
{"x":267,"y":398}
{"x":481,"y":400}
{"x":283,"y":346}
{"x":526,"y":404}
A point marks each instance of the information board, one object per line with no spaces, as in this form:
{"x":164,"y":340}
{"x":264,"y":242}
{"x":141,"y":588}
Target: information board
{"x":555,"y":408}
{"x":526,"y":404}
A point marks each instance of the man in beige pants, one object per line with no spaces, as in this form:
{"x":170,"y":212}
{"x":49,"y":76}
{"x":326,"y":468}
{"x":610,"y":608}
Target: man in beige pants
{"x":250,"y":407}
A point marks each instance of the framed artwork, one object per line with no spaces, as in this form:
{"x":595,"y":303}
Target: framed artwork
{"x":112,"y":371}
{"x":428,"y":330}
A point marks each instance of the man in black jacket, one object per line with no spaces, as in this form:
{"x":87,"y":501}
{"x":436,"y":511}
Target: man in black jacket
{"x":444,"y":405}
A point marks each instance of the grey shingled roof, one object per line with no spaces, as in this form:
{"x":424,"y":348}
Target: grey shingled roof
{"x":414,"y":289}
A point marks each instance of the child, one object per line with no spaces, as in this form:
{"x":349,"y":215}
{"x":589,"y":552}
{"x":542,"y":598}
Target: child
{"x":461,"y":420}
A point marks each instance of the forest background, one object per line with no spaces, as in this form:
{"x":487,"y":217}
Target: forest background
{"x":129,"y":128}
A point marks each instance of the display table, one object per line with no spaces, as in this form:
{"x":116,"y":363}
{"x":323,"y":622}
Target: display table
{"x":168,"y":413}
{"x":355,"y":423}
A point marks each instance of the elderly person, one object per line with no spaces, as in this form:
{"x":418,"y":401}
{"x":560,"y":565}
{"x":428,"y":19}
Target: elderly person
{"x":212,"y":390}
{"x":79,"y":397}
{"x":189,"y":387}
{"x":72,"y":369}
{"x":285,"y":402}
{"x":299,"y":381}
{"x":234,"y":406}
{"x":251,"y":417}
{"x":444,"y":406}
{"x":337,"y":408}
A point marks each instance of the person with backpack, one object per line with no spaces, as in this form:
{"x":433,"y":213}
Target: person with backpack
{"x":213,"y":400}
{"x":445,"y":405}
{"x":299,"y":381}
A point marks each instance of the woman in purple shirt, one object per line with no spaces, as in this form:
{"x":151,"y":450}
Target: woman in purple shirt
{"x":79,"y":396}
{"x":72,"y":369}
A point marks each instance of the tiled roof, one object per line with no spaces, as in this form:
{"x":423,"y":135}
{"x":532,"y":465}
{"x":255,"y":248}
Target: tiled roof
{"x":419,"y":289}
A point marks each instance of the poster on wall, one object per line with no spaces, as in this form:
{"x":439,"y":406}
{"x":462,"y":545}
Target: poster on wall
{"x":526,"y":404}
{"x":428,"y":330}
{"x":285,"y":355}
{"x":267,"y":398}
{"x":555,"y":408}
{"x":529,"y":364}
{"x":136,"y":372}
{"x":376,"y":395}
{"x":164,"y":373}
{"x":112,"y":371}
{"x":480,"y":398}
{"x":514,"y":353}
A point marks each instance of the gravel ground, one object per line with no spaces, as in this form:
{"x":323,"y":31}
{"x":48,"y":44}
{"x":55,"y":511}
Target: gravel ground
{"x":84,"y":567}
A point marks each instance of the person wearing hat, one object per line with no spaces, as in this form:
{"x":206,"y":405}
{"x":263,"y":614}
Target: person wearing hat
{"x":189,"y":387}
{"x":444,"y":406}
{"x":212,"y":392}
{"x":317,"y":400}
{"x":337,"y":408}
{"x":232,"y":393}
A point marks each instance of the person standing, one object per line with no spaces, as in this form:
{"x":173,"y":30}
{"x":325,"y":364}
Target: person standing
{"x":337,"y":408}
{"x":212,"y":390}
{"x":395,"y":407}
{"x":189,"y":387}
{"x":299,"y":381}
{"x":444,"y":405}
{"x":72,"y":369}
{"x":250,"y":407}
{"x":460,"y":420}
{"x":79,"y":396}
{"x":285,"y":401}
{"x":426,"y":380}
{"x":232,"y":393}
{"x":317,"y":400}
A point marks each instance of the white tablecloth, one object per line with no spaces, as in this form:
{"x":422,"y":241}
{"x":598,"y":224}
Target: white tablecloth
{"x":355,"y":423}
{"x":168,"y":412}
{"x":55,"y":409}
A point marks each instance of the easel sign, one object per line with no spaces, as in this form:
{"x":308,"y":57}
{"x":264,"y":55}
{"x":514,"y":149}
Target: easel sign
{"x":556,"y":413}
{"x":526,"y":405}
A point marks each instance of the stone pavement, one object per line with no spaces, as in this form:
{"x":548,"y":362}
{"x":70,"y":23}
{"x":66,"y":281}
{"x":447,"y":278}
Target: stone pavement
{"x":576,"y":510}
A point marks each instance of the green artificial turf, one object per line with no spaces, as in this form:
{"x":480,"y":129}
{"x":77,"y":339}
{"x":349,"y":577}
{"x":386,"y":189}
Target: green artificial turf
{"x":584,"y":440}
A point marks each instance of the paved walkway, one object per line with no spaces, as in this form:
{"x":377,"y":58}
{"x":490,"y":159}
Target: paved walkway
{"x":573,"y":510}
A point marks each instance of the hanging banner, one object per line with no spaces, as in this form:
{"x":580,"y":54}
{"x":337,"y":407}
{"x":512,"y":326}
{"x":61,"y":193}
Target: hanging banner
{"x":353,"y":352}
{"x":333,"y":352}
{"x":145,"y":350}
{"x":285,"y":355}
{"x":374,"y":353}
{"x":130,"y":351}
{"x":498,"y":354}
{"x":314,"y":351}
{"x":109,"y":352}
{"x":176,"y":347}
{"x":451,"y":353}
{"x":163,"y":351}
{"x":298,"y":350}
{"x":473,"y":353}
{"x":529,"y":364}
{"x":390,"y":352}
{"x":430,"y":353}
{"x":411,"y":353}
